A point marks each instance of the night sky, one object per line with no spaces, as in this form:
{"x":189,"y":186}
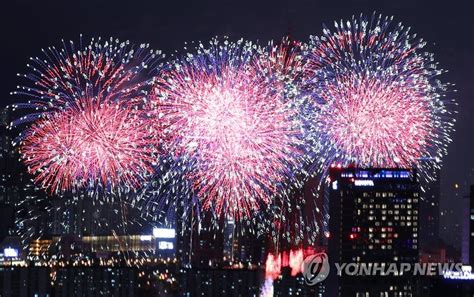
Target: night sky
{"x":447,"y":26}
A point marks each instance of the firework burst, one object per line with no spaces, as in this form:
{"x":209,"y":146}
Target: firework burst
{"x":88,"y":127}
{"x":219,"y":108}
{"x":381,"y":102}
{"x":89,"y":144}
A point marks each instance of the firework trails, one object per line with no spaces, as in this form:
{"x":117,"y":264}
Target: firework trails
{"x":220,"y":108}
{"x":381,"y":104}
{"x":105,"y":70}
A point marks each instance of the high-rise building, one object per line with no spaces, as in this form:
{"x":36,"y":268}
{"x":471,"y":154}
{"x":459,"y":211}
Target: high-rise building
{"x":289,"y":285}
{"x":97,"y":281}
{"x":471,"y":226}
{"x":373,"y":221}
{"x":220,"y":282}
{"x":23,"y":207}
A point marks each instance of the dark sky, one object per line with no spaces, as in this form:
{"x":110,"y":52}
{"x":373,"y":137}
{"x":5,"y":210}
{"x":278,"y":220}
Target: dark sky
{"x":29,"y":25}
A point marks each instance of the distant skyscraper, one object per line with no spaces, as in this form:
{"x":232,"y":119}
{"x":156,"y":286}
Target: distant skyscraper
{"x":204,"y":243}
{"x":429,"y":204}
{"x":248,"y":248}
{"x":207,"y":242}
{"x":373,"y":219}
{"x":183,"y":237}
{"x":229,"y":229}
{"x":467,"y":241}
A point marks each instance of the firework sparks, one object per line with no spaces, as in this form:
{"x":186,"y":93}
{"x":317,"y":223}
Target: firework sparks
{"x":108,"y":70}
{"x":219,"y":108}
{"x":92,"y":143}
{"x":382,"y":105}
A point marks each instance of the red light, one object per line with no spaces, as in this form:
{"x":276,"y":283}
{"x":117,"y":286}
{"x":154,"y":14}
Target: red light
{"x":333,"y":165}
{"x":353,"y":236}
{"x":339,"y":165}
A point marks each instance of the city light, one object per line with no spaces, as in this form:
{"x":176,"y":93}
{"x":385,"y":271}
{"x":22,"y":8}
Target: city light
{"x":10,"y":252}
{"x":165,"y":245}
{"x":145,"y":237}
{"x":164,"y":233}
{"x":464,"y":274}
{"x":364,"y":183}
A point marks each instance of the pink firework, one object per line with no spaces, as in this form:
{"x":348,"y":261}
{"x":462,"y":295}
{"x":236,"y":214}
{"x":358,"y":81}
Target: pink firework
{"x":382,"y":105}
{"x":378,"y":123}
{"x":219,"y":109}
{"x":90,"y":144}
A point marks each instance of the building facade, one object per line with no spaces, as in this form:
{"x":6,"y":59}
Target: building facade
{"x":374,"y":215}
